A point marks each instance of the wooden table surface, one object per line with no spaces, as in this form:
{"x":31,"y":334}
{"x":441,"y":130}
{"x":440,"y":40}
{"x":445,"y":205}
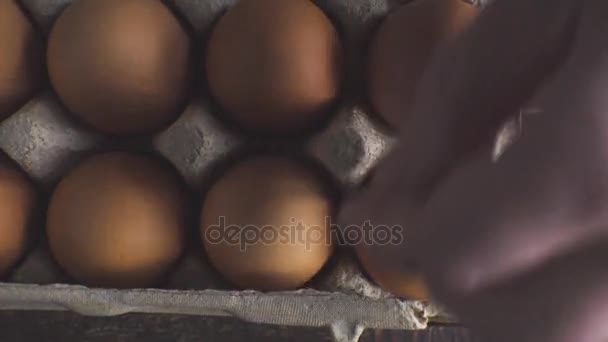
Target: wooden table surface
{"x":20,"y":326}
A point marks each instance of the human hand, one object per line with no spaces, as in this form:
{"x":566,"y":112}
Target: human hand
{"x":517,"y":247}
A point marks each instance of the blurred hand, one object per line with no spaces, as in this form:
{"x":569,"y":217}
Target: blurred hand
{"x":517,"y":248}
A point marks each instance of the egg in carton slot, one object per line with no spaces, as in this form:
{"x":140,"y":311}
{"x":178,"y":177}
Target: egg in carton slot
{"x":45,"y":141}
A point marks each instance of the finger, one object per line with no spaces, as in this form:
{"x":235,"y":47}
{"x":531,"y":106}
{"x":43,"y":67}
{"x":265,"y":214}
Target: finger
{"x":475,"y":84}
{"x":565,"y":300}
{"x":469,"y":89}
{"x":488,"y":220}
{"x":493,"y":220}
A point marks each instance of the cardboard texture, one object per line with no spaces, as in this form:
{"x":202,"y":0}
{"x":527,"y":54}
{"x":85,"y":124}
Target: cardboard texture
{"x":45,"y":140}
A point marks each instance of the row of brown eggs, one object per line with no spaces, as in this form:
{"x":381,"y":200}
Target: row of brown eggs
{"x":275,"y":66}
{"x":121,"y":220}
{"x":124,"y":67}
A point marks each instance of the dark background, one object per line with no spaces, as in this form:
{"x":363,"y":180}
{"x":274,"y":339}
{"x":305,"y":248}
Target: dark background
{"x":28,"y":326}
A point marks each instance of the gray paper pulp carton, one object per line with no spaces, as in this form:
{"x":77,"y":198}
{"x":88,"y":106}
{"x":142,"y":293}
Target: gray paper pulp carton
{"x":45,"y":141}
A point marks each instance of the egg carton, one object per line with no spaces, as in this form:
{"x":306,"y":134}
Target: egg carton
{"x":45,"y":140}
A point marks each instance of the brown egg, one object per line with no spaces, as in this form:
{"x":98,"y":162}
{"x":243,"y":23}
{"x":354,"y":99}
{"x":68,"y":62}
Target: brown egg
{"x":121,"y":66}
{"x":117,"y":220}
{"x":21,"y":58}
{"x":379,"y":263}
{"x":17,"y":203}
{"x":403,"y":46}
{"x":274,"y":65}
{"x":250,"y":230}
